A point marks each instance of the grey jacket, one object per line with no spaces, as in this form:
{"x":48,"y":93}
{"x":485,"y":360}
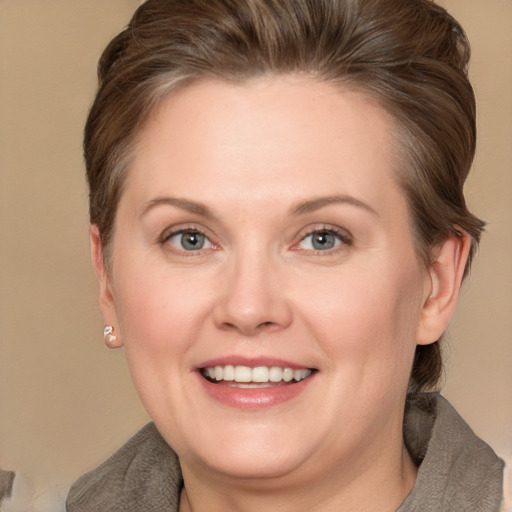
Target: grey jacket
{"x":458,"y":471}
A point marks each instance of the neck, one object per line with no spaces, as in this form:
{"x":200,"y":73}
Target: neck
{"x":372,"y":487}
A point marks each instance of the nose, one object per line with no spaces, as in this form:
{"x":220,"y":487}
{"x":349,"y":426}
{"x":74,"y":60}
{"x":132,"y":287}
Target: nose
{"x":252,"y":297}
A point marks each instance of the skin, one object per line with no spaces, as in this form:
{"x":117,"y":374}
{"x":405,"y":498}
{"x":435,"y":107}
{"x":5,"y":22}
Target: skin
{"x":355,"y":312}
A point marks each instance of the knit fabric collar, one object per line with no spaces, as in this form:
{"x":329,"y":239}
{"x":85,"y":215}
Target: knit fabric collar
{"x":458,"y":470}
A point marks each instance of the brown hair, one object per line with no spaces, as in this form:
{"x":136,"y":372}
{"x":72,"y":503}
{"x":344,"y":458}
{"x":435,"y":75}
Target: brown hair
{"x":410,"y":55}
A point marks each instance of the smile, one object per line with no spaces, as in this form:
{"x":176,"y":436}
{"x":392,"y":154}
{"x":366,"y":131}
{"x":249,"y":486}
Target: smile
{"x":246,"y":376}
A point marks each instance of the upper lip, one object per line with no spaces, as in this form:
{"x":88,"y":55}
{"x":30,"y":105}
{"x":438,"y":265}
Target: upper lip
{"x":251,"y":362}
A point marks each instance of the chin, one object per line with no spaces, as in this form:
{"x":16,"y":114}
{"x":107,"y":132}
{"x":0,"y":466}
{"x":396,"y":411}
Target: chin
{"x":262,"y":465}
{"x":248,"y":453}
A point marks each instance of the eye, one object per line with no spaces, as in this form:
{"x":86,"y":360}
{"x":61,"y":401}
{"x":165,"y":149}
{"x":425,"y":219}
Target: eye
{"x":324,"y":240}
{"x":189,"y":240}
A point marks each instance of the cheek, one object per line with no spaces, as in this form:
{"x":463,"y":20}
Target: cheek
{"x":161,"y":316}
{"x":366,"y":315}
{"x":158,"y":311}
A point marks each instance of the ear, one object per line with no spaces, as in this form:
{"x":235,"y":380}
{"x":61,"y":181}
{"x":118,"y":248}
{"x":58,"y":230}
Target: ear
{"x":443,"y":281}
{"x":106,"y":299}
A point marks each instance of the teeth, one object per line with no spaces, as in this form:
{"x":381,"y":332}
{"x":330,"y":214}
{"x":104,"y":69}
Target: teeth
{"x":275,"y":374}
{"x":288,"y":374}
{"x":299,"y":374}
{"x":259,"y":374}
{"x":229,"y":373}
{"x":242,"y":374}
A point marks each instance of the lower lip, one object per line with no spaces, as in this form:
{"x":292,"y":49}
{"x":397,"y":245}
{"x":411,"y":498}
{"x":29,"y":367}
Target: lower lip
{"x":253,"y":398}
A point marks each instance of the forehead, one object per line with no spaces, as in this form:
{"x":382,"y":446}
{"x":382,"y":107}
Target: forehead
{"x":268,"y":138}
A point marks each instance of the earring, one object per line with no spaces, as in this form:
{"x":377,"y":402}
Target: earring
{"x":110,"y":339}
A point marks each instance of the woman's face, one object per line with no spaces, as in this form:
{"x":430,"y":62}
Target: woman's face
{"x":262,"y":236}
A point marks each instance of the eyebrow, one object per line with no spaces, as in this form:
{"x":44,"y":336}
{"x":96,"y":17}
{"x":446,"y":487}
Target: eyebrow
{"x":320,"y":202}
{"x":182,"y":204}
{"x":301,"y":208}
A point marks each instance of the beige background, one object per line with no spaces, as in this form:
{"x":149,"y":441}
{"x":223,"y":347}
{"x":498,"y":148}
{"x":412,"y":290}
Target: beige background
{"x":65,"y":401}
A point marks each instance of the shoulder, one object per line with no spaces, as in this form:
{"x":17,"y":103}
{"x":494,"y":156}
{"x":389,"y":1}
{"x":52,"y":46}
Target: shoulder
{"x":144,"y":474}
{"x":459,"y":471}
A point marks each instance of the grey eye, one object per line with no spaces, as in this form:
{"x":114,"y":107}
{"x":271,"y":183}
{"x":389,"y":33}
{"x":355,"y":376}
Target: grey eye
{"x":321,"y":240}
{"x":189,"y":241}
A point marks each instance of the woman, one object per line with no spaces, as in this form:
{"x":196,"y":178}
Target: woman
{"x":279,"y":232}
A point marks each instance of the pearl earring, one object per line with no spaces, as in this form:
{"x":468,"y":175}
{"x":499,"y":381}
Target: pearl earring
{"x":110,"y":338}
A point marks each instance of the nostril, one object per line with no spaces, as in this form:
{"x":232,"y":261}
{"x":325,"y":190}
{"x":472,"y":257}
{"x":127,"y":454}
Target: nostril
{"x":268,"y":326}
{"x":249,"y":329}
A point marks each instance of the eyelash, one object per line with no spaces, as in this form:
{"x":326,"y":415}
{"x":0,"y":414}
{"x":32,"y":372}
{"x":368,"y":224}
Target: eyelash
{"x":165,"y":238}
{"x":341,"y":235}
